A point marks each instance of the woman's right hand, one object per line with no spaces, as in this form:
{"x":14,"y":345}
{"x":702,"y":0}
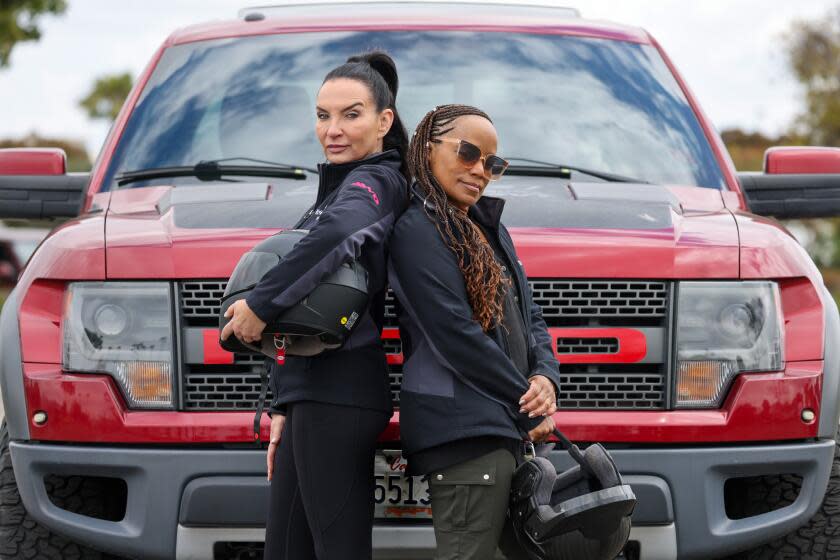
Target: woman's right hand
{"x":277,"y":422}
{"x":541,"y":432}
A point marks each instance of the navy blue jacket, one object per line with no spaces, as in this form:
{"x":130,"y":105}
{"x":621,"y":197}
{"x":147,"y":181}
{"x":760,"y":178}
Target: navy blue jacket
{"x":458,"y":381}
{"x":355,"y":224}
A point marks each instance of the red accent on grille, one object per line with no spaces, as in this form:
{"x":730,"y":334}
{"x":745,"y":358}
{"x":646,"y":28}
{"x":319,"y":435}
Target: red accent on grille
{"x":213,"y":353}
{"x":392,"y":334}
{"x":632,"y":345}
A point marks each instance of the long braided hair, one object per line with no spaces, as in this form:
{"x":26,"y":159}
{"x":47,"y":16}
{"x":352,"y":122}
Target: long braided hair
{"x":486,"y":285}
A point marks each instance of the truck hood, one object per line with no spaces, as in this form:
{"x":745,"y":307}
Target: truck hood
{"x":561,"y":229}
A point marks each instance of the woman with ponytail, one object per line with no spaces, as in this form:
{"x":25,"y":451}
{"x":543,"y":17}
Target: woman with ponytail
{"x":479,"y":375}
{"x":328,"y":409}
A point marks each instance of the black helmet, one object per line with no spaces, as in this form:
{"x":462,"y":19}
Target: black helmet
{"x":582,"y":513}
{"x":322,"y":320}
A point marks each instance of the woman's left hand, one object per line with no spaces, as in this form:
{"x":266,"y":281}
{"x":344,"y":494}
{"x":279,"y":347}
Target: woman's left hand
{"x":540,"y":399}
{"x":244,"y":323}
{"x":543,"y":431}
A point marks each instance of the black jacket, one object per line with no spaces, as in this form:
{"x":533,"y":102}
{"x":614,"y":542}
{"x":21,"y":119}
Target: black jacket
{"x":355,"y":224}
{"x":458,"y":381}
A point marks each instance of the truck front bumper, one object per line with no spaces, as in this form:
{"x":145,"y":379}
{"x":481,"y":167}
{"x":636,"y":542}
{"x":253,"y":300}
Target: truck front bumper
{"x":181,"y":502}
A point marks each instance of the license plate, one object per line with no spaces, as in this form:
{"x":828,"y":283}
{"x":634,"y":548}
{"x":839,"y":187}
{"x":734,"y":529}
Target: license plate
{"x":395,"y":494}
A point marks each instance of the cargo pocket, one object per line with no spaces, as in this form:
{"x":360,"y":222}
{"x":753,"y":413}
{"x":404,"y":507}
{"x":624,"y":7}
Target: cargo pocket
{"x":459,"y":497}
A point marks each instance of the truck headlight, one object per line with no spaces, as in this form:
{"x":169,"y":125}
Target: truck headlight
{"x":723,"y":329}
{"x":123,"y":329}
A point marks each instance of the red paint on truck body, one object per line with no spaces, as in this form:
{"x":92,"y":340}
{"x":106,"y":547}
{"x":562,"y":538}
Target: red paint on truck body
{"x":760,"y":407}
{"x":802,"y":159}
{"x":32,"y":161}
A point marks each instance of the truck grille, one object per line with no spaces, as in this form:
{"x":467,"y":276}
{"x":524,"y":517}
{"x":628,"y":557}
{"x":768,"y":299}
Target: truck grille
{"x":200,"y":301}
{"x":622,"y":386}
{"x":587,"y":345}
{"x":222,"y":388}
{"x":564,"y":303}
{"x":392,"y":307}
{"x":395,"y":379}
{"x":608,"y":302}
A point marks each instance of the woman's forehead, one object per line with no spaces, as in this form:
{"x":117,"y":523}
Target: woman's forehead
{"x":341,"y":92}
{"x":475,"y":129}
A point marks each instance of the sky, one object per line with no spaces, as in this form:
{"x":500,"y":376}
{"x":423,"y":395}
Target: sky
{"x":731,"y":53}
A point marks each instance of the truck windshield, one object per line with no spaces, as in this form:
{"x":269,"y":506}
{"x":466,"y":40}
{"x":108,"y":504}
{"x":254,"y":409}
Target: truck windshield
{"x":605,"y":105}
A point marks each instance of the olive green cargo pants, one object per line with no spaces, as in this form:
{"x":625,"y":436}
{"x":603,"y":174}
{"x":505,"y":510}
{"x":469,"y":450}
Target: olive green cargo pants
{"x":469,"y":503}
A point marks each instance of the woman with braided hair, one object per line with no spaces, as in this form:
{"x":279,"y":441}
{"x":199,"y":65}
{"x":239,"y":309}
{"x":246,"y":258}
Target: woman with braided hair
{"x":479,"y":374}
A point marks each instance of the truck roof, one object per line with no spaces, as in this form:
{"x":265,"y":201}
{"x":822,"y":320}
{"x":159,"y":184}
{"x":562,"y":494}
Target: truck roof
{"x":466,"y":15}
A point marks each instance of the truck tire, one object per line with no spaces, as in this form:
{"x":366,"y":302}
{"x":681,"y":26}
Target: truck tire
{"x":819,"y":539}
{"x":21,"y":537}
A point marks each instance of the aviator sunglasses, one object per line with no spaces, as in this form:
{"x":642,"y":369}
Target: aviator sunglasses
{"x":469,"y":153}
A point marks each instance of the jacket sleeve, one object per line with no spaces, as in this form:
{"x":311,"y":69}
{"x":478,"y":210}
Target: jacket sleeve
{"x":430,"y":286}
{"x":364,"y":211}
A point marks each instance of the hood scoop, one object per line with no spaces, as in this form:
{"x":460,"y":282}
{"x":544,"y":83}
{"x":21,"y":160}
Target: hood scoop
{"x":589,"y":205}
{"x":250,"y":205}
{"x":618,"y":206}
{"x":201,"y":194}
{"x":626,"y":192}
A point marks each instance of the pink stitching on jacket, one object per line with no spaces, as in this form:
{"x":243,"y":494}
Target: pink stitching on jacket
{"x":368,"y":189}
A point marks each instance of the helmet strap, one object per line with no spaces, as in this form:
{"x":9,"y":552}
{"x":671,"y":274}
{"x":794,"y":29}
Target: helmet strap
{"x":261,"y":402}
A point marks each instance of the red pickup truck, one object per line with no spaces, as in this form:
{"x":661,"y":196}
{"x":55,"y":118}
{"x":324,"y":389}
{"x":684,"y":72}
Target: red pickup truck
{"x":695,"y":336}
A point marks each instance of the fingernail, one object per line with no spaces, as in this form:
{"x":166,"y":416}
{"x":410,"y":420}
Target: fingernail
{"x":531,"y":415}
{"x":521,"y":401}
{"x":522,"y":409}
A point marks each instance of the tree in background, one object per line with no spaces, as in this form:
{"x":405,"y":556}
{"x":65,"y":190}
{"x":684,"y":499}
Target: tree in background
{"x":107,"y":96}
{"x":814,"y":56}
{"x":19,"y":22}
{"x":747,"y":148}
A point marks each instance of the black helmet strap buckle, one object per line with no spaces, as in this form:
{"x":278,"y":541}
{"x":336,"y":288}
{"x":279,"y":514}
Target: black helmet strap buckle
{"x":528,"y":451}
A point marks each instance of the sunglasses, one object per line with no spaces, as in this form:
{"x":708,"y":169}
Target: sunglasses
{"x":469,"y":154}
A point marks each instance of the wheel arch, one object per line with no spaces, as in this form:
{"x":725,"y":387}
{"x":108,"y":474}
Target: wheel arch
{"x":11,"y":369}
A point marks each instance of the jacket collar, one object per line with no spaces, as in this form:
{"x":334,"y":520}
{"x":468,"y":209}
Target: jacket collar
{"x":486,"y":212}
{"x":331,"y":175}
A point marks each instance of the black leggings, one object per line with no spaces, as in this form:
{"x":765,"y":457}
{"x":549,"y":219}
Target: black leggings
{"x":321,"y":499}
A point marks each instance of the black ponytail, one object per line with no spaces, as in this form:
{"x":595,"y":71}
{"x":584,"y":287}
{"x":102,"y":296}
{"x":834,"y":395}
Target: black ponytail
{"x":377,"y":71}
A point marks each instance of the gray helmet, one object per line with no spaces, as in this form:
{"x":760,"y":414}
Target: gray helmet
{"x":582,"y":513}
{"x":322,"y":320}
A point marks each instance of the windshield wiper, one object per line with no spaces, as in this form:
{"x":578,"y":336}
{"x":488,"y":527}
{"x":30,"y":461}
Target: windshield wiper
{"x":213,"y":171}
{"x":266,"y":162}
{"x":546,"y":169}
